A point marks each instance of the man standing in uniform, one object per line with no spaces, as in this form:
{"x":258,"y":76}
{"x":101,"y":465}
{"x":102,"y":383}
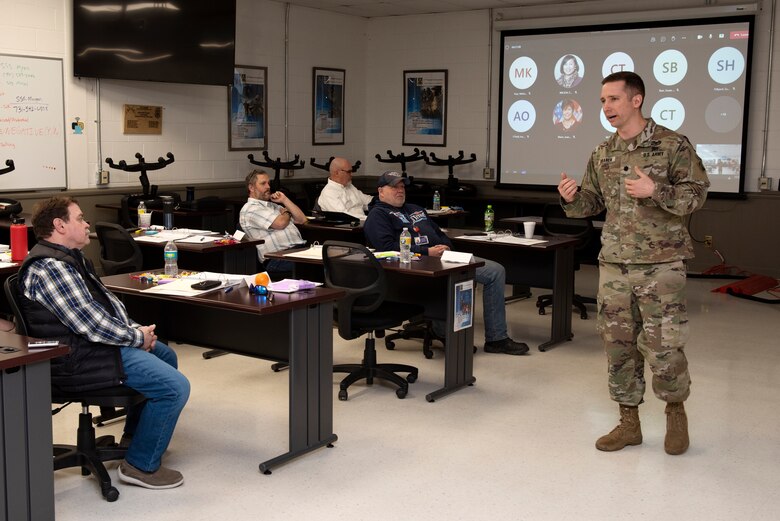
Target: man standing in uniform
{"x":648,"y":178}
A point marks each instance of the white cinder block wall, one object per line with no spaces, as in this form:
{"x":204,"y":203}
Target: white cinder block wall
{"x":374,"y":52}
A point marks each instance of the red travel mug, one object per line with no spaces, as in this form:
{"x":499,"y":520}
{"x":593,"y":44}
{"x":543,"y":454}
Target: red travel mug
{"x":18,"y":239}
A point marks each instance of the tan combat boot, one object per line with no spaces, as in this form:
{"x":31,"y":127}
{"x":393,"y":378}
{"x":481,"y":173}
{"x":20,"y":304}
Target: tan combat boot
{"x":676,"y":441}
{"x":628,"y":431}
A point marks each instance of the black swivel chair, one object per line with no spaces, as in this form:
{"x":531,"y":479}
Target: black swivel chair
{"x":90,"y":452}
{"x":119,"y":253}
{"x":557,"y":224}
{"x":353,"y":268}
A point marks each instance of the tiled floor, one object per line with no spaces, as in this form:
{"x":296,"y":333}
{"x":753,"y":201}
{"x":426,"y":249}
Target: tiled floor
{"x":516,"y":446}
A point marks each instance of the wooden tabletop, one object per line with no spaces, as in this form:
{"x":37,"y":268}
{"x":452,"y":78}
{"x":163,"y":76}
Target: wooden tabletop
{"x":23,"y":355}
{"x":238,"y":298}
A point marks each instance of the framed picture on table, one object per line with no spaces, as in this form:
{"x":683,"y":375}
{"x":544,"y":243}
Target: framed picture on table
{"x":328,"y":106}
{"x":248,"y":109}
{"x":425,"y":108}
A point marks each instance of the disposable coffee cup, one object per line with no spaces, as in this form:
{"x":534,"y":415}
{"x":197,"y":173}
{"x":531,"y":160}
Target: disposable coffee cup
{"x":528,"y":227}
{"x":145,"y":219}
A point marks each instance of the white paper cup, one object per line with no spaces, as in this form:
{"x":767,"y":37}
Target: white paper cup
{"x":144,"y":219}
{"x":528,"y":228}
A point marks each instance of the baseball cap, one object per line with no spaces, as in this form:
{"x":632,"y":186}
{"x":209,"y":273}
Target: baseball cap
{"x":391,"y":178}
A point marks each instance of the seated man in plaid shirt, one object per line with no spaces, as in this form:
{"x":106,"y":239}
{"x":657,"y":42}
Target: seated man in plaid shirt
{"x":62,"y":298}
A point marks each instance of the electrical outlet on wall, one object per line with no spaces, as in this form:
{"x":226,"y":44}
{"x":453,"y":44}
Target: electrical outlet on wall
{"x":488,"y":173}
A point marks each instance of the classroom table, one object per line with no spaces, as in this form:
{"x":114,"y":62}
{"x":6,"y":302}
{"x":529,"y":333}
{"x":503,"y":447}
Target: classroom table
{"x":240,"y":257}
{"x":295,"y":328}
{"x":27,"y":491}
{"x":549,"y":264}
{"x":432,"y":283}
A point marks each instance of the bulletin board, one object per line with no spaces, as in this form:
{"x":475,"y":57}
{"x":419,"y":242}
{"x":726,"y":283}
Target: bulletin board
{"x":32,"y":123}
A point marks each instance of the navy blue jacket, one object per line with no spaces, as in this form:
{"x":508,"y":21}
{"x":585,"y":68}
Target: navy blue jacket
{"x":385,"y":222}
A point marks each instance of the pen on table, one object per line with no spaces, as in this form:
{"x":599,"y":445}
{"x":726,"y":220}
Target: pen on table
{"x":202,"y":239}
{"x":228,"y":289}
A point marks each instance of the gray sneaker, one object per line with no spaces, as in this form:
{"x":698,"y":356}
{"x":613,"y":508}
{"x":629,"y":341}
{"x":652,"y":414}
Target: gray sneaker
{"x":159,"y":479}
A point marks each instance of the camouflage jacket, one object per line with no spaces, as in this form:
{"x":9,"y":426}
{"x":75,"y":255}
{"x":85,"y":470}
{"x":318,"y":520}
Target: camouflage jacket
{"x":651,"y":230}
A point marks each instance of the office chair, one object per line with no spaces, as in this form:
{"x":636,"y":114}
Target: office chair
{"x":557,"y":224}
{"x":119,"y":253}
{"x":422,"y":329}
{"x":90,"y":452}
{"x":353,"y":268}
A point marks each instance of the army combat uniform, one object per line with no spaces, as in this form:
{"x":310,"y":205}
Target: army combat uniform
{"x":641,"y":301}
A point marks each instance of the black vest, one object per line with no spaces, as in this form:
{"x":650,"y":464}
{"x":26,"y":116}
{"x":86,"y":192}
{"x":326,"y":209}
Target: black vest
{"x":89,"y":365}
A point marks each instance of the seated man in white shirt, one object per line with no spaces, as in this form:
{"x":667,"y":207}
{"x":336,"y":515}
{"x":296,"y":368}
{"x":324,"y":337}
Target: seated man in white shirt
{"x":340,"y":195}
{"x":271,"y":217}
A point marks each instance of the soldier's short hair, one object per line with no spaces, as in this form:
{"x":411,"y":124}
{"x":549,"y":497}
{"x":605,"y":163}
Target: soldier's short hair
{"x":634,"y":83}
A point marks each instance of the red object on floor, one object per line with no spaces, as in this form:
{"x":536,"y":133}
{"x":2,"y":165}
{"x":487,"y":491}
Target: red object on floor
{"x":749,"y":286}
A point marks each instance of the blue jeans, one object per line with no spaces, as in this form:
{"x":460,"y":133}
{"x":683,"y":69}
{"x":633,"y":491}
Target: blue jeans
{"x":277,"y":266}
{"x":155,"y":375}
{"x":492,"y":276}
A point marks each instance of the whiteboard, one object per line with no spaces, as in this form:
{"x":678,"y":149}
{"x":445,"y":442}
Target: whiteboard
{"x":32,"y":123}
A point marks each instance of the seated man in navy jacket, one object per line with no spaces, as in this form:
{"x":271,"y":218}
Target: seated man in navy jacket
{"x":391,"y":214}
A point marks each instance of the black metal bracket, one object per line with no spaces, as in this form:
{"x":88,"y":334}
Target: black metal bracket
{"x":277,"y":166}
{"x":402,"y":159}
{"x":326,"y":166}
{"x":451,"y":163}
{"x":143,"y":167}
{"x":11,"y":167}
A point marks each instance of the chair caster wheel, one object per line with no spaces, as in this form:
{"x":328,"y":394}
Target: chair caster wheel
{"x":389,"y":345}
{"x":343,"y":395}
{"x":401,"y":393}
{"x":584,"y":316}
{"x":111,"y":494}
{"x":541,"y":311}
{"x":411,"y":378}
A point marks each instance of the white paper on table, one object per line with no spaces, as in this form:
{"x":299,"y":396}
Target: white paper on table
{"x":456,"y":256}
{"x":151,"y":238}
{"x":7,"y":264}
{"x":199,"y":239}
{"x":505,"y":239}
{"x":511,"y":239}
{"x":180,"y":287}
{"x":313,"y":252}
{"x":229,"y":278}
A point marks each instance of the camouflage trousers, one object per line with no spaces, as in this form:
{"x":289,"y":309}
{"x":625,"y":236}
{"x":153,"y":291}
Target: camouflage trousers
{"x":642,"y":317}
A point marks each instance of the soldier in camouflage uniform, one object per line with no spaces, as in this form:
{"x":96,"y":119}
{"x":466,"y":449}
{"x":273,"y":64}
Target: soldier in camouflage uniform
{"x":648,"y":178}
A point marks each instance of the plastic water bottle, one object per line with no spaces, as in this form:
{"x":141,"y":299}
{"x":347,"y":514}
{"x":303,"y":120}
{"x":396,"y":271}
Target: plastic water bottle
{"x":171,"y":256}
{"x":490,"y":218}
{"x":406,"y":246}
{"x":436,"y":201}
{"x":141,"y":211}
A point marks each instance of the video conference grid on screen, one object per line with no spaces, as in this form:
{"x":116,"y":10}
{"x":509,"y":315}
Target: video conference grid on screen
{"x":696,"y":80}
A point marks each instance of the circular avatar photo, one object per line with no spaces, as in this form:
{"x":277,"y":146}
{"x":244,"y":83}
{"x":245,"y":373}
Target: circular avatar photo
{"x":569,"y":71}
{"x":567,"y":114}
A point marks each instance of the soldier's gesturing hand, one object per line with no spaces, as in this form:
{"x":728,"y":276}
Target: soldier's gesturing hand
{"x":640,"y":188}
{"x":567,"y":188}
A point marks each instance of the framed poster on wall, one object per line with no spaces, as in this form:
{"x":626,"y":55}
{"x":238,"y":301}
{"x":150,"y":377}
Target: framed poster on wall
{"x":425,"y":108}
{"x":328,"y":106}
{"x":248,"y":109}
